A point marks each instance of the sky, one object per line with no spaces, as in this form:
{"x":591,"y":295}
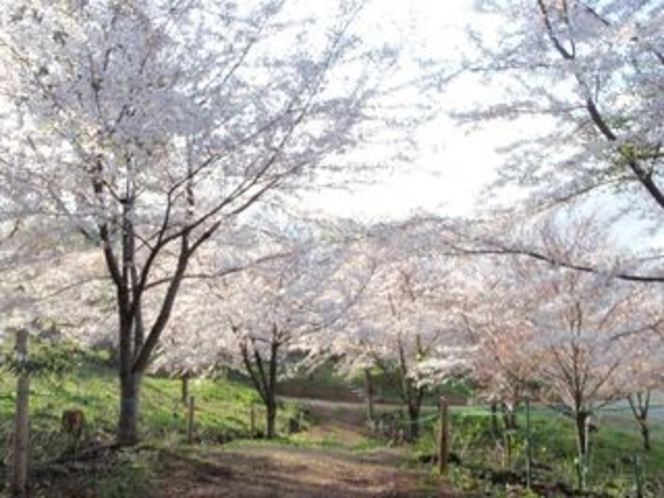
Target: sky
{"x":450,"y":165}
{"x":445,"y":178}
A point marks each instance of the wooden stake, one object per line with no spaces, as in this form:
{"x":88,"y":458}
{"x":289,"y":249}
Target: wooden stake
{"x":529,"y":448}
{"x":184,"y":379}
{"x":19,"y":471}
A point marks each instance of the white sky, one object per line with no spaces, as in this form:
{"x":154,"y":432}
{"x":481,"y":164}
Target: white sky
{"x":451,"y":165}
{"x":446,"y":179}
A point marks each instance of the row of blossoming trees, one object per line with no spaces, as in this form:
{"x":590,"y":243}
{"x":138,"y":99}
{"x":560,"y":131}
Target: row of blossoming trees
{"x":403,"y":298}
{"x":141,"y":140}
{"x":406,"y":299}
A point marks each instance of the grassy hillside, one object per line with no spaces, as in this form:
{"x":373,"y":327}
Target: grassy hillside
{"x":223,"y":411}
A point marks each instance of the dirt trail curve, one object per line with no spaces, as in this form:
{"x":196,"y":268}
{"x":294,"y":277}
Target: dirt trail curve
{"x":292,"y":472}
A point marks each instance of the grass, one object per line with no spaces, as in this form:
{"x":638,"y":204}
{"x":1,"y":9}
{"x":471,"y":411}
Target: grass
{"x":222,"y":414}
{"x":325,"y":383}
{"x":223,"y":406}
{"x":613,"y":447}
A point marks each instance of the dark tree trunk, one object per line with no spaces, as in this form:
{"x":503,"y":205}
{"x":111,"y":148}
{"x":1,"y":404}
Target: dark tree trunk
{"x":411,"y":394}
{"x":135,"y":346}
{"x":413,"y":397}
{"x":581,"y":419}
{"x":414,"y":420}
{"x":130,"y":385}
{"x":640,"y":405}
{"x":264,"y":380}
{"x":369,"y":392}
{"x":271,"y":419}
{"x":130,"y":382}
{"x":645,"y":434}
{"x":271,"y":389}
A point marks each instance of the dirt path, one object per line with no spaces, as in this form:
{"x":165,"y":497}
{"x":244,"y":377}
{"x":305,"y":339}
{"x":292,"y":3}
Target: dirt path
{"x":283,"y":472}
{"x":337,"y":466}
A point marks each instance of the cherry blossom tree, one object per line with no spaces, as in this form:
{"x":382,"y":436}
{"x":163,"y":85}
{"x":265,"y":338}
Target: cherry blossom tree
{"x":63,"y":295}
{"x":581,"y":328}
{"x":585,"y":77}
{"x":297,"y":303}
{"x":642,"y":376}
{"x":146,"y":127}
{"x":498,"y":322}
{"x":574,"y":83}
{"x":407,"y":320}
{"x":274,"y":314}
{"x":582,"y":346}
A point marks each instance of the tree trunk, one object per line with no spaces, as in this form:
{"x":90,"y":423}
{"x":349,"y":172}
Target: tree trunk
{"x":411,"y":394}
{"x":271,"y":387}
{"x":264,"y":380}
{"x":645,"y":434}
{"x":369,"y":392}
{"x":640,"y":405}
{"x":582,"y":444}
{"x":413,"y":421}
{"x":415,"y":395}
{"x":443,"y":435}
{"x":130,"y":385}
{"x":191,"y":413}
{"x":271,"y":419}
{"x":582,"y":419}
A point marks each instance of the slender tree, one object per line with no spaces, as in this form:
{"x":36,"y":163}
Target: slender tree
{"x":642,"y":377}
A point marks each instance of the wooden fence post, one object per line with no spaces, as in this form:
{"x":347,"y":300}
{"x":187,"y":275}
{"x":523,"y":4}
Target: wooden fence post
{"x":529,"y":448}
{"x":443,"y":436}
{"x":19,"y":469}
{"x":190,"y":420}
{"x":184,"y":388}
